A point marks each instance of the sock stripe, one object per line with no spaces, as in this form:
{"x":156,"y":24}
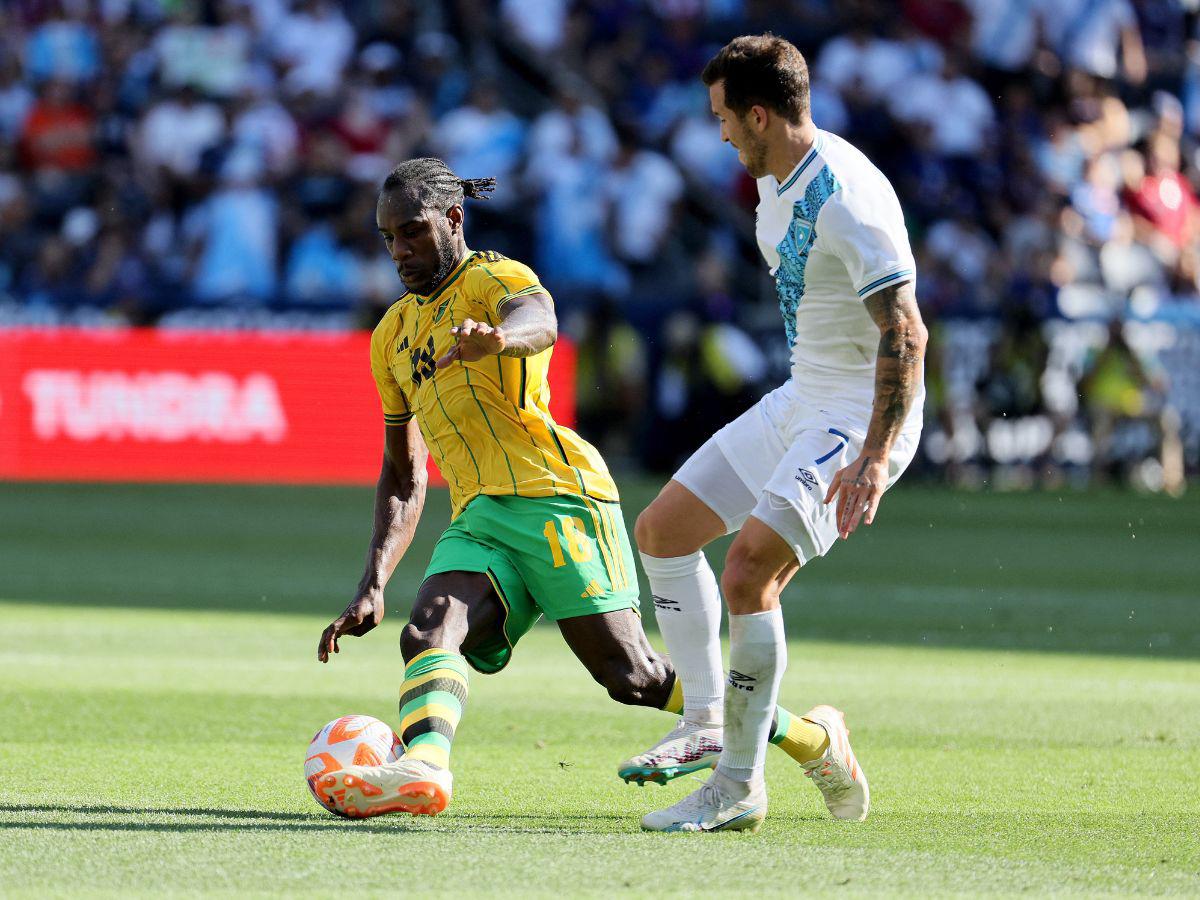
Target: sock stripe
{"x":779,"y":727}
{"x":429,"y":725}
{"x":449,"y":713}
{"x":432,"y":659}
{"x":426,"y":703}
{"x":431,"y":747}
{"x":437,"y":683}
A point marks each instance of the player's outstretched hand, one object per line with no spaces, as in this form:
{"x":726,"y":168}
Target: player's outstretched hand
{"x":358,"y":618}
{"x":475,"y":341}
{"x":858,"y":489}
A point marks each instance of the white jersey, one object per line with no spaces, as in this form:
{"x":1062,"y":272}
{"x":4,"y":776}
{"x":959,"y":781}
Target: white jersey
{"x":833,"y":234}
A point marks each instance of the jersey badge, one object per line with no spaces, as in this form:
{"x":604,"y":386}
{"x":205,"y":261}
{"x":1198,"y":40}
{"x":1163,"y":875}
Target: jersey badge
{"x":799,"y":234}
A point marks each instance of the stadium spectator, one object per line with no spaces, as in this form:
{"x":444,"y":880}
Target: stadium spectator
{"x":62,"y":47}
{"x":1004,"y":33}
{"x":234,"y":236}
{"x":953,"y":106}
{"x":1099,"y":37}
{"x":644,"y":191}
{"x":483,"y":138}
{"x":177,"y":130}
{"x":314,"y":42}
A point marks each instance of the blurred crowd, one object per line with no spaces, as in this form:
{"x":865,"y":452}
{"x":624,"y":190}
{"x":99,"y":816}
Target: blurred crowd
{"x":189,"y":163}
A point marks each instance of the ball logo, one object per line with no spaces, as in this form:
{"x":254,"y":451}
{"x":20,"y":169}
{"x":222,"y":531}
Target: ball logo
{"x":166,"y":406}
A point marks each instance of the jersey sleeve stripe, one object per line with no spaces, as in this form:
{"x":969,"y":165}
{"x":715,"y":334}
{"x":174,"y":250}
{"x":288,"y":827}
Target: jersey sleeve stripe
{"x":885,"y":280}
{"x":398,"y":419}
{"x":524,"y":292}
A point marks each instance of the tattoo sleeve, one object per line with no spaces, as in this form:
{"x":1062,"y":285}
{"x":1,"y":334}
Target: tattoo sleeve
{"x":529,"y":325}
{"x":902,"y":338}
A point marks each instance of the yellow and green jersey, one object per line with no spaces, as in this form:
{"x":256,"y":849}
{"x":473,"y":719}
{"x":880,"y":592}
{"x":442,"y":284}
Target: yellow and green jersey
{"x":487,"y":423}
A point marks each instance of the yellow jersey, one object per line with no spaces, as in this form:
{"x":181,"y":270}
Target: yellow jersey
{"x":487,"y":423}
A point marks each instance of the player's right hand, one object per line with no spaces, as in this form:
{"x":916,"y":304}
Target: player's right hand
{"x":357,"y":619}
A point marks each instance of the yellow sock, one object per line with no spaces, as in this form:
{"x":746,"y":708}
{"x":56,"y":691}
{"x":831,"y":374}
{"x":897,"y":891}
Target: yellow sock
{"x":674,"y":702}
{"x":799,"y":738}
{"x":431,"y":703}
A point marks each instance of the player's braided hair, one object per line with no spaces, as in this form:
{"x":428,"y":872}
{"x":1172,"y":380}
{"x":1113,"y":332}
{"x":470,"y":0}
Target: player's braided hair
{"x":430,"y":182}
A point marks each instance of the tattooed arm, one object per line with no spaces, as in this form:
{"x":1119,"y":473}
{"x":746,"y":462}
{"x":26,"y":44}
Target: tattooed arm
{"x":902,"y":338}
{"x":528,"y":326}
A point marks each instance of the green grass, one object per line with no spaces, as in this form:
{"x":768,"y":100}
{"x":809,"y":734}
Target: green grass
{"x":158,"y":688}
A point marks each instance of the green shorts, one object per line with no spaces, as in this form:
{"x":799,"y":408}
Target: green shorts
{"x":561,"y":557}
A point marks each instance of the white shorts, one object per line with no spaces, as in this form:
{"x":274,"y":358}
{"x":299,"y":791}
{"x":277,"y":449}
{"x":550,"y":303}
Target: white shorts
{"x":775,"y":462}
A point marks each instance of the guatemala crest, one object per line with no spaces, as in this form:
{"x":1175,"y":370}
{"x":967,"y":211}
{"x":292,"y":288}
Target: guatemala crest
{"x":799,"y":234}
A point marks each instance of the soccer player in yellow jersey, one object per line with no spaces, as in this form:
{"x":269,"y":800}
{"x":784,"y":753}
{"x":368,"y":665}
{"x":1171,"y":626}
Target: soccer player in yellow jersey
{"x":460,"y":362}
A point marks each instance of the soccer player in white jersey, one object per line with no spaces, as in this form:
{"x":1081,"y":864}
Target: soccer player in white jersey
{"x":806,"y":465}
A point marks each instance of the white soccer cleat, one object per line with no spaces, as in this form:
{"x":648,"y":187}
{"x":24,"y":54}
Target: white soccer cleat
{"x":837,"y":773}
{"x":686,"y":748}
{"x":714,"y":807}
{"x":407,"y":785}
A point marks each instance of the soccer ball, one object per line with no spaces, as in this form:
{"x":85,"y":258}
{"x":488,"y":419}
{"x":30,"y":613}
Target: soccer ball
{"x":348,"y":741}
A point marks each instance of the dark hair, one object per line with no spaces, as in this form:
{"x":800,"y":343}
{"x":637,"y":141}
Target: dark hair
{"x":761,"y":70}
{"x":431,"y":183}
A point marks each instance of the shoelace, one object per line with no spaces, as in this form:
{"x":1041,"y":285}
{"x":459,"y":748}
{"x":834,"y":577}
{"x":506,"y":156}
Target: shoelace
{"x":829,"y":777}
{"x":708,"y":795}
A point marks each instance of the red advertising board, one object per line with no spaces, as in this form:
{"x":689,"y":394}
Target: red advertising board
{"x":149,"y":405}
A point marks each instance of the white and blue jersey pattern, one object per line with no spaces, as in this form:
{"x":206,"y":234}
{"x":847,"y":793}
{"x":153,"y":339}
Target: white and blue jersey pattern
{"x":833,"y":234}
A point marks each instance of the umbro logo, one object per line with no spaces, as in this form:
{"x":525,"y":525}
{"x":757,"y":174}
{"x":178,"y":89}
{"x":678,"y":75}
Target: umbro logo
{"x":806,"y":478}
{"x":740,"y":681}
{"x":666,"y":603}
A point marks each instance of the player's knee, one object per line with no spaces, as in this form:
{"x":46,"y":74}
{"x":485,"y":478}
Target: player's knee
{"x":747,"y":580}
{"x":414,"y":641}
{"x":431,"y":625}
{"x":640,"y":683}
{"x":652,"y":532}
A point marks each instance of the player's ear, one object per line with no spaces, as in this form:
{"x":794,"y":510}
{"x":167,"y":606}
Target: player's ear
{"x":759,"y":118}
{"x":455,"y":215}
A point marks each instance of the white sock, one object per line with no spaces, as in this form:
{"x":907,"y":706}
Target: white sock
{"x":757,"y":659}
{"x":687,"y":604}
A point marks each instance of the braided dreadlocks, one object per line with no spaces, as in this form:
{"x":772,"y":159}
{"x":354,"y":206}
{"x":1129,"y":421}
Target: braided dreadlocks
{"x":430,"y":182}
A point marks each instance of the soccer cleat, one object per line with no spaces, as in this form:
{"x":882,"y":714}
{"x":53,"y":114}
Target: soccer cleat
{"x":713,"y":807}
{"x":686,"y":748}
{"x":837,"y":773}
{"x":407,"y":785}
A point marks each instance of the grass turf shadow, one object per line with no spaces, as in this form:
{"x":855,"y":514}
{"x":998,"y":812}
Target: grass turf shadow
{"x":263,"y":820}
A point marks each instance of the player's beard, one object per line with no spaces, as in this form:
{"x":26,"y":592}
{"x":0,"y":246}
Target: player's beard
{"x":446,"y":258}
{"x":754,"y":151}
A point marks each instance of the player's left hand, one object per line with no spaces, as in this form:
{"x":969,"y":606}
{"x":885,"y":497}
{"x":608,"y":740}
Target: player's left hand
{"x":475,"y":341}
{"x":858,"y":489}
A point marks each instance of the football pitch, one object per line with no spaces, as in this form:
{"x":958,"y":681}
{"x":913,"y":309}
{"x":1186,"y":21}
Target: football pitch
{"x":1021,"y":673}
